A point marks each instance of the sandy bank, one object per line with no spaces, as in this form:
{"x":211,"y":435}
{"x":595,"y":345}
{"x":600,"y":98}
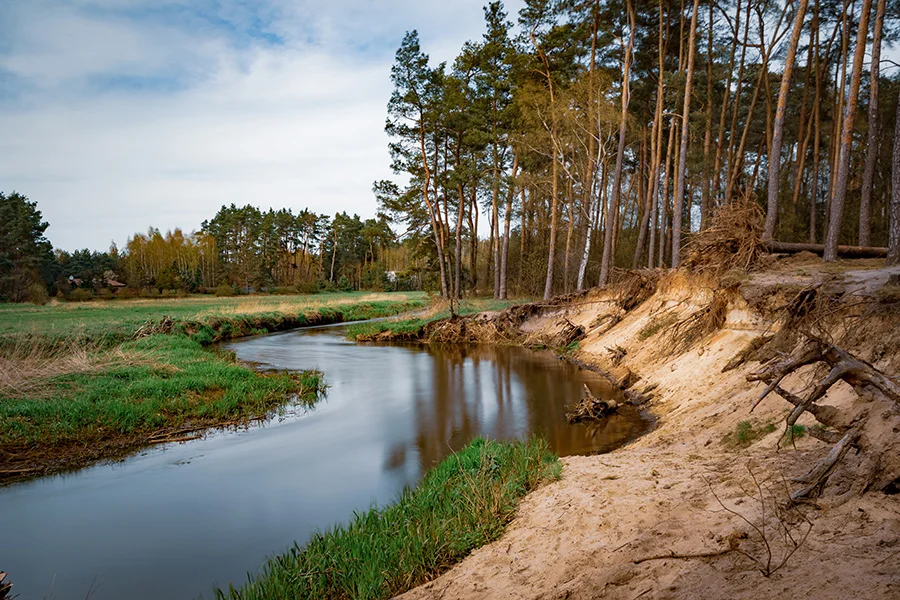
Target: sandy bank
{"x":688,"y":487}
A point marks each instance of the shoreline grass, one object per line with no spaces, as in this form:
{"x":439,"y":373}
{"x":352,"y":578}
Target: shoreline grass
{"x":71,"y":397}
{"x":462,"y":504}
{"x":110,"y":323}
{"x":411,"y":328}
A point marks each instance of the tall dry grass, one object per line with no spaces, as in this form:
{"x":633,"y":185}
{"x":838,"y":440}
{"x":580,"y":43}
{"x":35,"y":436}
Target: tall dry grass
{"x":28,"y":368}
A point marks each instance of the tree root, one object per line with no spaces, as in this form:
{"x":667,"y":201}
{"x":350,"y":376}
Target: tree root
{"x":850,"y":425}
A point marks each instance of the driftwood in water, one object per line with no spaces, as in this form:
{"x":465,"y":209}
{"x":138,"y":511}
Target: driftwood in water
{"x":590,"y":408}
{"x":869,"y":425}
{"x":843,"y":251}
{"x":5,"y":588}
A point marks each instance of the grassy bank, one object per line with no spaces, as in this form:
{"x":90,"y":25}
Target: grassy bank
{"x":80,"y":408}
{"x":411,"y":328}
{"x":98,"y":380}
{"x":112,"y":322}
{"x":462,"y":504}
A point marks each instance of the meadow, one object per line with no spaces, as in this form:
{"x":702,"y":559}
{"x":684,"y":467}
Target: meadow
{"x":98,"y":380}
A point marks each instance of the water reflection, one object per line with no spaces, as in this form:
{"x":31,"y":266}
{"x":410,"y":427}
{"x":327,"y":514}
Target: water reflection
{"x":171,"y":522}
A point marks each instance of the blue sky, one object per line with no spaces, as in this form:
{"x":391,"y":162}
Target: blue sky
{"x":118,"y":115}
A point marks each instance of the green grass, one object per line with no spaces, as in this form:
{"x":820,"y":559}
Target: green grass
{"x":115,"y":321}
{"x":411,"y":328}
{"x":462,"y":504}
{"x":747,"y":432}
{"x":150,"y":384}
{"x":82,"y":382}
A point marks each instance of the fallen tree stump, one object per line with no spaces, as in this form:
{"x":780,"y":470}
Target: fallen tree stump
{"x":590,"y":408}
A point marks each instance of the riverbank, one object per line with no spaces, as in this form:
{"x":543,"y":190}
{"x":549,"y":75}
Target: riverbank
{"x":700,"y":507}
{"x":102,"y":380}
{"x":462,"y":503}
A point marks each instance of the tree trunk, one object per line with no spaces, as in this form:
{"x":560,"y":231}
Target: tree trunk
{"x":656,"y":154}
{"x":607,"y":259}
{"x":644,"y":203}
{"x":778,"y":127}
{"x":843,"y":177}
{"x":705,"y":181}
{"x":685,"y":135}
{"x":872,"y":137}
{"x":504,"y":258}
{"x":893,"y":257}
{"x":664,"y":198}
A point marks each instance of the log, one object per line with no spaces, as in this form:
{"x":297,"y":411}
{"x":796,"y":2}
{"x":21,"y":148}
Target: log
{"x":843,"y":251}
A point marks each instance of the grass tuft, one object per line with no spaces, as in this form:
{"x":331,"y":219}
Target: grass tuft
{"x":462,"y":504}
{"x":747,"y":432}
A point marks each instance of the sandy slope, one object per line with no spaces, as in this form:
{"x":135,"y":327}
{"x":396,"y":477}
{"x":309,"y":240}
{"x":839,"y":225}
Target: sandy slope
{"x":580,"y":537}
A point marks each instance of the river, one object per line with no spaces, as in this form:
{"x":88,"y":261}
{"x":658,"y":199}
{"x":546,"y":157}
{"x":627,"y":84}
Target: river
{"x":172,"y":522}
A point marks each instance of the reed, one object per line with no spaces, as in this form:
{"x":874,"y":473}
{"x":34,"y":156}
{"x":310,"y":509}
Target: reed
{"x":463,"y":503}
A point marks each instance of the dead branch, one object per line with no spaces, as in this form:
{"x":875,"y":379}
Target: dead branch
{"x":5,"y":588}
{"x":817,"y":478}
{"x":869,"y":383}
{"x":590,"y":408}
{"x":684,"y":556}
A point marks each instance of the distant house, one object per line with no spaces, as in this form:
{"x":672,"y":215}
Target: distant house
{"x":116,"y":285}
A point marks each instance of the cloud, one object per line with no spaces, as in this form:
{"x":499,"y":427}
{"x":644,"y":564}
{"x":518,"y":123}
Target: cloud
{"x":125,"y":114}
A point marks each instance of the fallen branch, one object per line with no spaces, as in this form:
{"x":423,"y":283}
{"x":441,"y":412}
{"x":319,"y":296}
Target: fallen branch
{"x":684,"y":556}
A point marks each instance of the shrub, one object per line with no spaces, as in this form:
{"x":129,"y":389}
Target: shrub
{"x":37,"y":294}
{"x":80,"y":295}
{"x":224,"y":290}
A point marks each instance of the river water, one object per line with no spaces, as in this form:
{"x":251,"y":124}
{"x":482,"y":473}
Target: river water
{"x":172,"y":522}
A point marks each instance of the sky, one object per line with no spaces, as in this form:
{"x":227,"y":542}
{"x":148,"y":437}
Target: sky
{"x":119,"y":115}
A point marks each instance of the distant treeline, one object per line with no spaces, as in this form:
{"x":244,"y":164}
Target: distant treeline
{"x":239,"y":250}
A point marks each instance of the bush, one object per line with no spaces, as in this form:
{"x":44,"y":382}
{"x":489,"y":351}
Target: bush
{"x":80,"y":295}
{"x":224,"y":291}
{"x":344,"y":284}
{"x":37,"y":294}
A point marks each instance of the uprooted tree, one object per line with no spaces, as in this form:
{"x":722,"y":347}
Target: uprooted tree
{"x":870,"y":424}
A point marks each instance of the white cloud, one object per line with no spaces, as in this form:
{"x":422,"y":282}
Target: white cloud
{"x":295,"y":124}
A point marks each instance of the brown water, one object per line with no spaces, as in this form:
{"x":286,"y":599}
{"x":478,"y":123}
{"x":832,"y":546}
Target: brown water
{"x":172,"y":522}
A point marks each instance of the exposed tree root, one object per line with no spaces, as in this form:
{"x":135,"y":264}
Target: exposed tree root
{"x":590,"y":408}
{"x":869,"y":425}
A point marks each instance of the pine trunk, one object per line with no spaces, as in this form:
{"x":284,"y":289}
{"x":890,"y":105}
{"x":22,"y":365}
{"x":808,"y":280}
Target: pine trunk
{"x":778,"y":127}
{"x":843,"y":176}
